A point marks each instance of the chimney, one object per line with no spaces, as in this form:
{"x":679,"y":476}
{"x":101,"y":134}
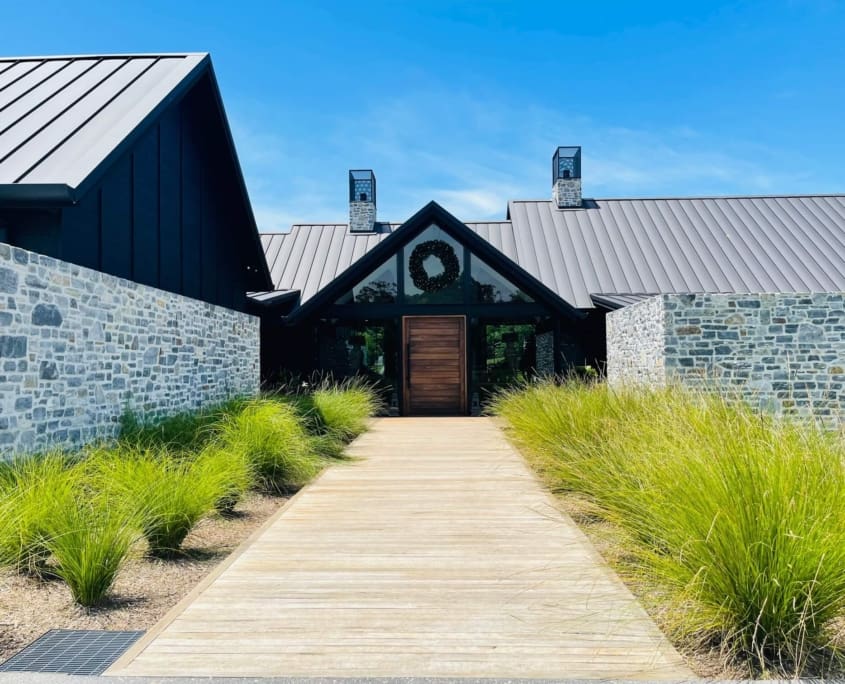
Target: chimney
{"x":362,"y":201}
{"x":566,"y":177}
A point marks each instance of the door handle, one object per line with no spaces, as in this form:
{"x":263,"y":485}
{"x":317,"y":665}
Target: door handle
{"x":408,"y":364}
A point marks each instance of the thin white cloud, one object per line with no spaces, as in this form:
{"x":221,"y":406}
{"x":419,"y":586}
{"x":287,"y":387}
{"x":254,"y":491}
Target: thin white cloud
{"x":473,"y":153}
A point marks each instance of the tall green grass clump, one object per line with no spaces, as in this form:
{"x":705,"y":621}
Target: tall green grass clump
{"x":231,"y":473}
{"x":167,"y":495}
{"x":90,"y":538}
{"x":739,"y":517}
{"x":345,"y":409}
{"x":270,"y":436}
{"x":33,"y":490}
{"x":189,"y":431}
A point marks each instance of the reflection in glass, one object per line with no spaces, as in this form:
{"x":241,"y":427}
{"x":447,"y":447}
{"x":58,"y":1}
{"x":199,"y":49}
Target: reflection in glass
{"x":490,"y":287}
{"x":368,"y":350}
{"x":507,"y":353}
{"x":434,"y":264}
{"x":380,"y":287}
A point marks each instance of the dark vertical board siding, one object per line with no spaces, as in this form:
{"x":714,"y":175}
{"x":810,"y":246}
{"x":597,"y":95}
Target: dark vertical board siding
{"x":116,"y":237}
{"x":38,"y":230}
{"x":81,"y":231}
{"x":170,"y":193}
{"x":167,"y":213}
{"x":145,"y":200}
{"x":192,"y":173}
{"x":210,"y":240}
{"x":234,"y":292}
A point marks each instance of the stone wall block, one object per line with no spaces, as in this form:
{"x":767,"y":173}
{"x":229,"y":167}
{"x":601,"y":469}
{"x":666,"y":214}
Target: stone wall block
{"x":785,"y":352}
{"x":79,"y":347}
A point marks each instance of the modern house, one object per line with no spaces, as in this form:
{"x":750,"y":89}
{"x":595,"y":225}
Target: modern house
{"x":444,"y":310}
{"x":133,"y":276}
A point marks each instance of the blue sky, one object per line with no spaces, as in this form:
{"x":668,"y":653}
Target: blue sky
{"x":464,"y":102}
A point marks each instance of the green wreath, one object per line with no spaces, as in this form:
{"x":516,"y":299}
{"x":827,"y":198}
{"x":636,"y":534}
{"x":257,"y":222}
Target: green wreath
{"x":444,"y":253}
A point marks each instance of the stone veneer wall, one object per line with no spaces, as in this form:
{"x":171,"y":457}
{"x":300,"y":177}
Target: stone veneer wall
{"x":362,"y":217}
{"x":566,"y":192}
{"x":79,"y":347}
{"x":544,"y":363}
{"x":635,"y":344}
{"x":784,"y":351}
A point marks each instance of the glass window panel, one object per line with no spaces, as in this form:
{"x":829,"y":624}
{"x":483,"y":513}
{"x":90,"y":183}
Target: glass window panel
{"x":369,"y":350}
{"x":434,"y":265}
{"x":490,"y":287}
{"x":380,"y":287}
{"x":506,"y":353}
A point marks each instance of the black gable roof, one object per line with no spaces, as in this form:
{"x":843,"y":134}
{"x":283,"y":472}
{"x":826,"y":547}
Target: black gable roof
{"x":66,"y":120}
{"x":394,"y":238}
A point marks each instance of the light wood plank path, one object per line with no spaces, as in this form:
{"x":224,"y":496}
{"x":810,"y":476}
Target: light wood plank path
{"x":436,"y":553}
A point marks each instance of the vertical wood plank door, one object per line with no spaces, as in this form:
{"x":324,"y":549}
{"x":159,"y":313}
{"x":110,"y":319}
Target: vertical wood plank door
{"x":435,"y":365}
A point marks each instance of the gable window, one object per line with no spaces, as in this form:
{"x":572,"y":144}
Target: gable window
{"x":434,"y":266}
{"x":490,"y":287}
{"x":379,"y":287}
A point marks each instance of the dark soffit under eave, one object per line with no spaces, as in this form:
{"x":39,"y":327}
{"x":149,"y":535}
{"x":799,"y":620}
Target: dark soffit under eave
{"x":433,"y":213}
{"x":613,"y":300}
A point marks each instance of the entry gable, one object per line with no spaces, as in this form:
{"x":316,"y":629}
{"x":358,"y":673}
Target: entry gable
{"x":433,"y":215}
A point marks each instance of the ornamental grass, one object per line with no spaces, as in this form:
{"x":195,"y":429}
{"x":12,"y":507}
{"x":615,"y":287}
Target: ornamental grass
{"x":736,"y":517}
{"x":270,"y":437}
{"x":167,"y":495}
{"x":345,"y":409}
{"x":78,"y":518}
{"x":90,"y":539}
{"x":33,"y":491}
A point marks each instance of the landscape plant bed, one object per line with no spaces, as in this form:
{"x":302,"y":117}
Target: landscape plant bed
{"x":727,"y":523}
{"x":114,"y":534}
{"x":144,"y":590}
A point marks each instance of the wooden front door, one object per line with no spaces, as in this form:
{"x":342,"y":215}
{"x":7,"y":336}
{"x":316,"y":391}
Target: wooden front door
{"x":435,"y":365}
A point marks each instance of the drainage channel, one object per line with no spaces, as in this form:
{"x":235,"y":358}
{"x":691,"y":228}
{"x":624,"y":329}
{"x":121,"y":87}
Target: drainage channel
{"x":71,"y":651}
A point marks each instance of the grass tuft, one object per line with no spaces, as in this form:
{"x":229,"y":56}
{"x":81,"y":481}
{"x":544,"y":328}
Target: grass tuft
{"x":228,"y":471}
{"x":345,"y":409}
{"x":167,"y":495}
{"x":188,"y":431}
{"x":90,"y":538}
{"x":738,"y":517}
{"x":269,"y":436}
{"x":33,"y":490}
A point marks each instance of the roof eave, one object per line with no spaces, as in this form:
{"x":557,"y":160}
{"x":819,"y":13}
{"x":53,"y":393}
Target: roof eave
{"x":25,"y":195}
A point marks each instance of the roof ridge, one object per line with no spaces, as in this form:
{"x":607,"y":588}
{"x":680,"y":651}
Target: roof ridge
{"x":687,"y":197}
{"x":105,"y":55}
{"x":346,"y":225}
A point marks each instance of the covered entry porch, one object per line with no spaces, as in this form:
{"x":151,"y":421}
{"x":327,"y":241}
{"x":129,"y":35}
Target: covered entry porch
{"x":437,"y":318}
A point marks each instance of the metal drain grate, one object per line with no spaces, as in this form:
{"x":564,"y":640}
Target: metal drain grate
{"x":71,"y":651}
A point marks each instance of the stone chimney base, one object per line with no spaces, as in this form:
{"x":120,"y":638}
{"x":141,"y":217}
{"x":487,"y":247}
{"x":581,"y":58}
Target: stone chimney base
{"x":362,"y":217}
{"x":566,"y":193}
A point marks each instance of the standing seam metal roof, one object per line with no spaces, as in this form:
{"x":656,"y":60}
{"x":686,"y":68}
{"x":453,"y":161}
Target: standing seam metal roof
{"x":621,"y":246}
{"x":61,"y":116}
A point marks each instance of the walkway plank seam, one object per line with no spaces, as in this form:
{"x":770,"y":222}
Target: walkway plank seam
{"x":435,"y":553}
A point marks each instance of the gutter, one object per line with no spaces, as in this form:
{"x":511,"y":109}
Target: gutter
{"x":25,"y":195}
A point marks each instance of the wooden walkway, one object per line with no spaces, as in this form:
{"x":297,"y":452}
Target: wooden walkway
{"x":437,"y":554}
